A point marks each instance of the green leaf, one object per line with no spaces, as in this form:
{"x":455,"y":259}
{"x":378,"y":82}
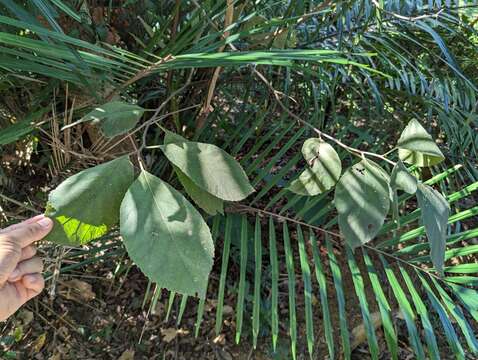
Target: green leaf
{"x":383,"y":306}
{"x":362,"y":199}
{"x":274,"y":261}
{"x":468,"y":296}
{"x":182,"y":308}
{"x":402,"y":179}
{"x":405,"y":309}
{"x":309,"y":317}
{"x":324,"y":171}
{"x":435,"y":213}
{"x":364,"y":307}
{"x":209,"y":203}
{"x":86,"y":205}
{"x":166,"y":236}
{"x":202,"y":302}
{"x":15,"y":131}
{"x":421,"y":308}
{"x":449,"y":330}
{"x":326,"y":314}
{"x":312,"y":148}
{"x":171,"y":137}
{"x":459,"y":316}
{"x":210,"y":168}
{"x":416,"y":146}
{"x":339,"y":292}
{"x":242,"y":278}
{"x":223,"y":277}
{"x":256,"y":308}
{"x":114,"y":118}
{"x":289,"y":257}
{"x":19,"y":129}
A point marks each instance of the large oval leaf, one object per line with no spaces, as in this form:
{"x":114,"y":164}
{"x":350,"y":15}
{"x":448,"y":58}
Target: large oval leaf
{"x":210,"y":168}
{"x":206,"y":201}
{"x":171,"y":137}
{"x":324,"y":171}
{"x":311,"y":148}
{"x":114,"y":118}
{"x":86,"y":205}
{"x":166,"y":236}
{"x":119,"y":118}
{"x":362,"y":199}
{"x":435,"y":213}
{"x":416,"y":146}
{"x":402,"y":179}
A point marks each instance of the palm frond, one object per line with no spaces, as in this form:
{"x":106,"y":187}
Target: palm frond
{"x":346,"y":66}
{"x":401,"y":263}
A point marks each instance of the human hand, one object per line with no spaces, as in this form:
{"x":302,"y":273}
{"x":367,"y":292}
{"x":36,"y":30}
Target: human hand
{"x":20,"y":269}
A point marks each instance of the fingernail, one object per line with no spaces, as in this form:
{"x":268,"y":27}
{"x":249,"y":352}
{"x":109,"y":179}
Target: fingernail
{"x":45,"y":222}
{"x":14,"y":275}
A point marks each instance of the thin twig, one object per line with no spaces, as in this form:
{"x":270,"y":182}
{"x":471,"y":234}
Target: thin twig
{"x":153,"y":121}
{"x":337,"y":235}
{"x":206,"y":109}
{"x":13,"y":201}
{"x":155,"y":118}
{"x":350,"y":149}
{"x":288,"y":219}
{"x":275,"y":93}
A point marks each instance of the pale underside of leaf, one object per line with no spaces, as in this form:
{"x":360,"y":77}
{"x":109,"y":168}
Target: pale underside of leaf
{"x":312,"y":147}
{"x":362,"y":199}
{"x":166,"y":236}
{"x":86,"y":205}
{"x":416,"y":146}
{"x":435,"y":212}
{"x":323,"y":172}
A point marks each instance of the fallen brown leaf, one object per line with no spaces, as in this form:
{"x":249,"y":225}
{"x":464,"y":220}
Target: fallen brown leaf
{"x":220,"y":339}
{"x":127,"y":355}
{"x":170,"y":334}
{"x":227,"y":310}
{"x":359,"y":334}
{"x":39,"y":343}
{"x":76,"y":289}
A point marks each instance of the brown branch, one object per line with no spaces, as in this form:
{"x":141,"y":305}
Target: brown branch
{"x":207,"y":108}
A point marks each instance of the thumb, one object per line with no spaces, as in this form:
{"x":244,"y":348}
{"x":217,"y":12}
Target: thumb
{"x":27,"y":233}
{"x":13,"y":240}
